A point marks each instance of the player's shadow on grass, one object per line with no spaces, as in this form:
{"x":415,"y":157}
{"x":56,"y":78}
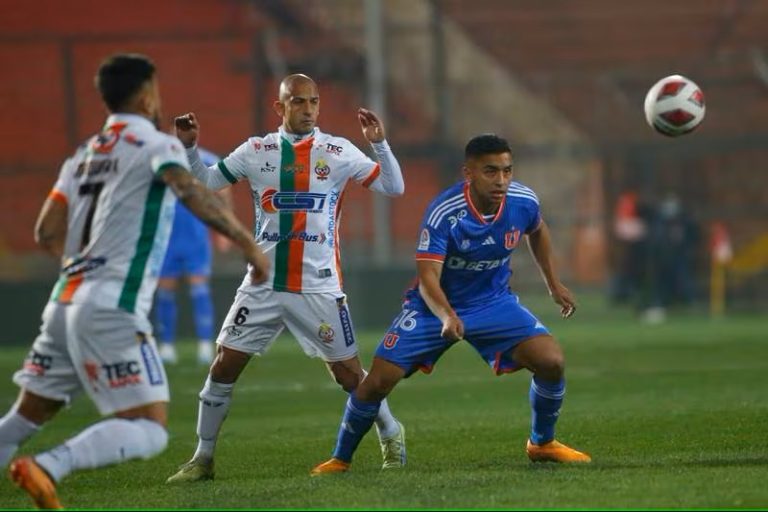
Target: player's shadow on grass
{"x":709,"y":462}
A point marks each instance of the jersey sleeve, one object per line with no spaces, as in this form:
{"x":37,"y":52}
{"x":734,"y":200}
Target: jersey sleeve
{"x":235,"y":166}
{"x":63,"y":189}
{"x":361,"y":168}
{"x":166,"y":153}
{"x":530,"y":203}
{"x":433,"y":238}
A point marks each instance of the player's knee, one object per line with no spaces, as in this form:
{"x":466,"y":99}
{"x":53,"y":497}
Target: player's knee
{"x":551,"y":366}
{"x":215,"y":392}
{"x":348,"y":380}
{"x":199,"y":289}
{"x":155,"y":437}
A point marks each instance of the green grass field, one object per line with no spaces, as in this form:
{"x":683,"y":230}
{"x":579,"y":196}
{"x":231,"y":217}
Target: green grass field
{"x":674,"y":416}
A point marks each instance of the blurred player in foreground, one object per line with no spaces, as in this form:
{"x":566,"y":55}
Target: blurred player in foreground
{"x":297,"y":176}
{"x":467,"y":238}
{"x":108,"y":218}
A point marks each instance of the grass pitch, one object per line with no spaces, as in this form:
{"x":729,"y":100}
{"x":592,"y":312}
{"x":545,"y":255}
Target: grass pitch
{"x":673,"y":415}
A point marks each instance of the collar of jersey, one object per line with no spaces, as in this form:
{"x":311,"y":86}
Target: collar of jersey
{"x":292,"y":137}
{"x":475,"y":213}
{"x":133,"y":119}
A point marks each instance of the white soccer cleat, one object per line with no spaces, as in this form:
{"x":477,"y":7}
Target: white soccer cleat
{"x":205,"y":352}
{"x":393,"y":449}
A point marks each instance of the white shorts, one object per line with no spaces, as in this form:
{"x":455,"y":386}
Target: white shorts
{"x":320,"y":322}
{"x":99,"y":350}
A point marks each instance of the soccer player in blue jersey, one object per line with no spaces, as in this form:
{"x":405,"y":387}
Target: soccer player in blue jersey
{"x":189,"y":254}
{"x":467,"y":238}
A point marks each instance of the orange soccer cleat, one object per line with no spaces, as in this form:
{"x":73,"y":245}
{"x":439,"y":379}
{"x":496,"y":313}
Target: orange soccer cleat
{"x":554,"y":451}
{"x":28,"y":475}
{"x":330,"y":466}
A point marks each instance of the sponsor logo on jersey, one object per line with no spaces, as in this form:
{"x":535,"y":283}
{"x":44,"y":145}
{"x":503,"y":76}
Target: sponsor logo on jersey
{"x":454,"y":219}
{"x":333,"y":199}
{"x":234,"y":331}
{"x":424,"y":240}
{"x":457,"y":263}
{"x":489,"y":241}
{"x":79,"y":266}
{"x":256,"y":145}
{"x":511,"y":239}
{"x":322,"y":170}
{"x":301,"y":236}
{"x":346,"y":323}
{"x":333,"y":149}
{"x":464,"y":244}
{"x":37,"y":363}
{"x":326,"y":333}
{"x":268,"y":168}
{"x":295,"y":168}
{"x":132,"y":139}
{"x":151,"y":362}
{"x":273,"y":201}
{"x":271,"y":147}
{"x":91,"y":167}
{"x":123,"y":373}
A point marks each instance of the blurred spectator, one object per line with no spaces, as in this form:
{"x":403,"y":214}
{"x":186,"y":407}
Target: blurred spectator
{"x":630,"y":228}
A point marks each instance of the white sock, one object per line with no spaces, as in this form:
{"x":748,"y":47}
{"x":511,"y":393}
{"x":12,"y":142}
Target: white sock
{"x":212,"y":410}
{"x":386,"y":424}
{"x":14,"y":430}
{"x":107,"y":442}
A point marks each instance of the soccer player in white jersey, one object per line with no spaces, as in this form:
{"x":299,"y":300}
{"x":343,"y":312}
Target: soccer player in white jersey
{"x":108,"y":219}
{"x":298,"y":176}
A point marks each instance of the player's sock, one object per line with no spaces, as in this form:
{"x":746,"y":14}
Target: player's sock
{"x":213,"y":408}
{"x":545,"y":397}
{"x":357,"y":421}
{"x":386,"y":424}
{"x":14,"y":430}
{"x":165,"y":315}
{"x":203,"y":309}
{"x":107,"y":442}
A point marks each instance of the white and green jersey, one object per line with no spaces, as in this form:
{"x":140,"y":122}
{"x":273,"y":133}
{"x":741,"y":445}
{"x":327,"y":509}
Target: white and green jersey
{"x":120,"y":214}
{"x":298,"y":187}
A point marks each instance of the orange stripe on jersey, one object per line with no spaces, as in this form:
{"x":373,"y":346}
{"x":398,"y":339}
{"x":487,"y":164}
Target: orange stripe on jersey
{"x":476,"y":213}
{"x":337,"y":242}
{"x":57,"y":195}
{"x":296,"y":246}
{"x":372,"y":177}
{"x":73,"y":283}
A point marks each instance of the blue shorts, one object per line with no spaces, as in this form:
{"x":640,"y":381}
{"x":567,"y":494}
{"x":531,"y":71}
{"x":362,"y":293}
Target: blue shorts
{"x":189,"y":248}
{"x":413,"y":341}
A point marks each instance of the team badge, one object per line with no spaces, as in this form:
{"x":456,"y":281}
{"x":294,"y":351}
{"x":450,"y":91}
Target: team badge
{"x":322,"y":170}
{"x":511,"y":238}
{"x":424,"y":240}
{"x":390,"y":340}
{"x":326,"y":333}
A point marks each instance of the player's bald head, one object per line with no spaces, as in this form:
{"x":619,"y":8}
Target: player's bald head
{"x":293,"y":83}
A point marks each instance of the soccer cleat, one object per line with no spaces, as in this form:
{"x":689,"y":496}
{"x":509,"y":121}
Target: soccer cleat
{"x":554,"y":451}
{"x":330,"y":466}
{"x":204,"y":352}
{"x":393,"y":449}
{"x":168,"y":353}
{"x":195,"y":470}
{"x":28,"y":475}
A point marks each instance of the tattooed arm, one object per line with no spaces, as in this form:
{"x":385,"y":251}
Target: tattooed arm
{"x":210,"y":208}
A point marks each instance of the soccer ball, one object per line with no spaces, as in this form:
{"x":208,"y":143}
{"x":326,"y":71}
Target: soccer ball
{"x":674,"y":106}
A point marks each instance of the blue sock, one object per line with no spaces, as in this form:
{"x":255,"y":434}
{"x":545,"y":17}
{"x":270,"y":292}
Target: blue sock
{"x":546,"y":399}
{"x":165,"y":315}
{"x":357,"y":421}
{"x":203,"y":308}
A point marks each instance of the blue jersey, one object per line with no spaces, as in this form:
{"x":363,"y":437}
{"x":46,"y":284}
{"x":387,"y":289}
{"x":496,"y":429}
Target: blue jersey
{"x":475,"y":250}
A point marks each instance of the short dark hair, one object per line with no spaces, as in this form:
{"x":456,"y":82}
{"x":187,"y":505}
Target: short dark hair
{"x":486,"y":144}
{"x":121,"y":76}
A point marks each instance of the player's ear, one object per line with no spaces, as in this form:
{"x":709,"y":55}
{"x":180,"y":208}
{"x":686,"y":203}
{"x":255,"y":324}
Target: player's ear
{"x":467,"y":173}
{"x":279,"y":108}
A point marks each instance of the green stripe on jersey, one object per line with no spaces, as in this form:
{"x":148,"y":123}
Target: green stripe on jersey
{"x":59,"y":287}
{"x":287,"y":184}
{"x":146,"y":240}
{"x":223,"y":168}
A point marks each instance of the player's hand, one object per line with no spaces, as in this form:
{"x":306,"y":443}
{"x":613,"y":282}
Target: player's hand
{"x":453,"y":329}
{"x":187,"y":129}
{"x":372,"y":127}
{"x":564,"y":298}
{"x":259,"y":265}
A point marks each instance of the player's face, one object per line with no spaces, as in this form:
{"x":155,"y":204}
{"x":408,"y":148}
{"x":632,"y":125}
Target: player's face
{"x":489,"y":177}
{"x":300,"y":108}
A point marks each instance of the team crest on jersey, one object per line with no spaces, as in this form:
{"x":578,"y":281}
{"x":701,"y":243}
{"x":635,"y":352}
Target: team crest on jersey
{"x":37,"y":363}
{"x":256,"y":145}
{"x":326,"y":333}
{"x":322,"y":170}
{"x":511,"y":239}
{"x":92,"y":372}
{"x":464,"y":244}
{"x":424,"y":240}
{"x":390,"y":340}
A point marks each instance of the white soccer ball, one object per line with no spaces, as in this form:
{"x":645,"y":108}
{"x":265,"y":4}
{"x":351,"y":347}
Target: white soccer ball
{"x":674,"y":106}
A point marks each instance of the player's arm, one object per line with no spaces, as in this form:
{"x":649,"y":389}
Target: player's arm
{"x":429,"y":272}
{"x":207,"y":206}
{"x":187,"y":129}
{"x":221,"y":242}
{"x":387,"y":177}
{"x":540,"y":244}
{"x":51,"y":225}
